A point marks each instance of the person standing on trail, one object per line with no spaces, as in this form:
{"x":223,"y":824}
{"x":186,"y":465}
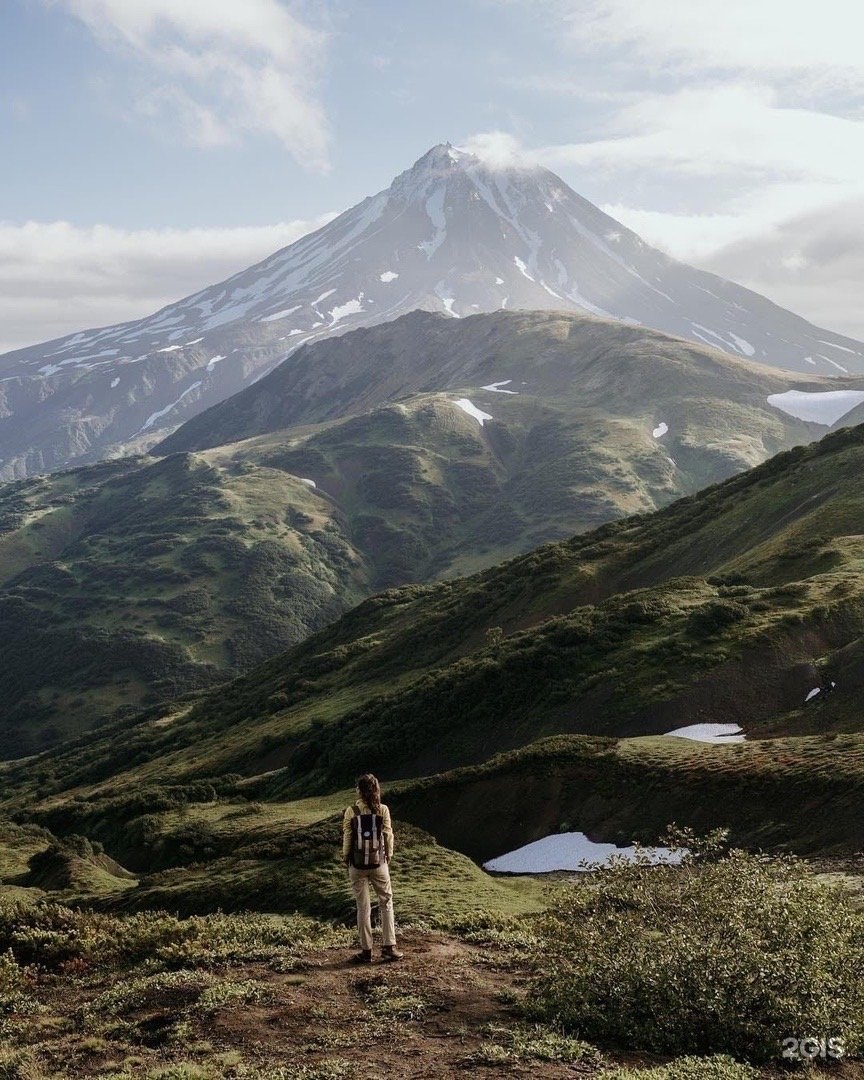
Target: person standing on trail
{"x":367,"y":848}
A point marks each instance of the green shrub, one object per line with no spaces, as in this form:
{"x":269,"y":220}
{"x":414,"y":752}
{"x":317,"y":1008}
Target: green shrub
{"x":18,"y":1065}
{"x":714,"y":616}
{"x":688,"y":1068}
{"x":509,"y":1045}
{"x":729,"y":955}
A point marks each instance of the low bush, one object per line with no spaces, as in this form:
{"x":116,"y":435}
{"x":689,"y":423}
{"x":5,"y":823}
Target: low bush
{"x":722,"y":955}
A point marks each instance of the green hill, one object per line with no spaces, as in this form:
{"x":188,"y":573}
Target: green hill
{"x":730,"y":605}
{"x":138,"y":581}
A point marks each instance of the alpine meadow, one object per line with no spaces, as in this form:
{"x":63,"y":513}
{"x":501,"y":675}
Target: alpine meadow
{"x":489,"y":550}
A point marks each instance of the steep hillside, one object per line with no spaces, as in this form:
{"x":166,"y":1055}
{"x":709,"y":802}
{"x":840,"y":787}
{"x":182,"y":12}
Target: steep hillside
{"x":715,"y":406}
{"x":452,"y":234}
{"x":730,"y":605}
{"x":134,"y":582}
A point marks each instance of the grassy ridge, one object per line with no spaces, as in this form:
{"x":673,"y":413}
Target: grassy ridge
{"x":136,"y":582}
{"x":429,"y":677}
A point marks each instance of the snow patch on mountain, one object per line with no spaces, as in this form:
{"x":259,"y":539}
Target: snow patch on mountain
{"x":522,"y":268}
{"x":710,"y":733}
{"x":573,"y":851}
{"x":468,"y":406}
{"x":151,"y":420}
{"x":388,"y":276}
{"x":282,"y":314}
{"x":744,"y":347}
{"x":817,"y":408}
{"x":342,"y":311}
{"x":495,"y":387}
{"x":660,"y":430}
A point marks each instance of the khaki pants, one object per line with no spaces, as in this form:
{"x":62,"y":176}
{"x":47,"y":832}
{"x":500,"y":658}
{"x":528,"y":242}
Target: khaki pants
{"x":380,"y":881}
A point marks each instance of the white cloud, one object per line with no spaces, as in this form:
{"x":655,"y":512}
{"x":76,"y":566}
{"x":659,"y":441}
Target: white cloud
{"x":811,"y":262}
{"x":56,"y":278}
{"x":776,"y":38}
{"x":497,"y":148}
{"x":731,"y":132}
{"x":220,"y":68}
{"x":737,"y":128}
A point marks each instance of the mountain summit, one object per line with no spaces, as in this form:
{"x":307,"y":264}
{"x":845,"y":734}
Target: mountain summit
{"x":453,"y":234}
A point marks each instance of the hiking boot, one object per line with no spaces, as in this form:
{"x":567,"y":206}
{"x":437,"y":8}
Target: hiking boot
{"x":363,"y":957}
{"x":391,"y":953}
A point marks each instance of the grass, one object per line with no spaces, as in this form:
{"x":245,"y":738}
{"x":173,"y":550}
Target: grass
{"x":131,"y":583}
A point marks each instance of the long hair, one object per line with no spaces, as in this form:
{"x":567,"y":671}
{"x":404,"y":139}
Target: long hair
{"x":370,"y":791}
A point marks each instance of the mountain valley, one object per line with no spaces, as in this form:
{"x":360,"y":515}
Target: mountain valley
{"x":394,"y":455}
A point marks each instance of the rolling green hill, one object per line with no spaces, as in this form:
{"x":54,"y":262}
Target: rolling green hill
{"x":135,"y":582}
{"x":730,"y":605}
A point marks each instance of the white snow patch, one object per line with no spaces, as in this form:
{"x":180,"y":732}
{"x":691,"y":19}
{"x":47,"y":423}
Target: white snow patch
{"x":818,"y":408}
{"x":660,"y":430}
{"x":170,"y":348}
{"x":323,"y":296}
{"x":723,"y":343}
{"x":741,"y":344}
{"x":570,"y":851}
{"x":504,"y":301}
{"x":495,"y":387}
{"x":284,"y":313}
{"x":305,"y":480}
{"x":813,"y":693}
{"x":292,"y":333}
{"x":213,"y":361}
{"x":50,"y":369}
{"x":388,"y":276}
{"x":810,"y":360}
{"x":115,"y":383}
{"x":551,"y":291}
{"x":448,"y":302}
{"x":435,"y":211}
{"x":499,"y":280}
{"x":834,"y":363}
{"x":712,"y":733}
{"x":522,"y":268}
{"x":151,"y":420}
{"x":352,"y":307}
{"x":469,"y":407}
{"x":834,"y":345}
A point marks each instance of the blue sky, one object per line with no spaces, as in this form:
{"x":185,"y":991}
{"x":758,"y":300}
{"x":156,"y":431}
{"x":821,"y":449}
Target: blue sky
{"x":153,"y":146}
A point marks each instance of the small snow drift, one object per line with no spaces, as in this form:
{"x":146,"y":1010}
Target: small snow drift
{"x":568,"y":851}
{"x":495,"y":387}
{"x":819,"y":691}
{"x":469,"y":407}
{"x":660,"y":430}
{"x":711,"y":733}
{"x":817,"y":408}
{"x":388,"y":276}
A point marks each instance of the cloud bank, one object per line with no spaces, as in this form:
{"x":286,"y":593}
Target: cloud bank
{"x":56,"y":278}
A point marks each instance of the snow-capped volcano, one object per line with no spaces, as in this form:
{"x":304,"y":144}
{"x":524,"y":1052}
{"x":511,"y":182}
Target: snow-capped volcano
{"x":452,"y":234}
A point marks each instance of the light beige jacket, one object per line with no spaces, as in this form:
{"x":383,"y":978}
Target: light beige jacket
{"x":346,"y":829}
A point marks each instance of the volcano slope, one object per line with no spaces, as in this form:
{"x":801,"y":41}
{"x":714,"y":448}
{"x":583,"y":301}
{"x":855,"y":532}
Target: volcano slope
{"x":731,"y":605}
{"x":132,"y":582}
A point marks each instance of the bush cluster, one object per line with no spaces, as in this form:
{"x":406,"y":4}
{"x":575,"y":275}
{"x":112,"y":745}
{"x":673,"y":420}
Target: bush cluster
{"x":728,"y":955}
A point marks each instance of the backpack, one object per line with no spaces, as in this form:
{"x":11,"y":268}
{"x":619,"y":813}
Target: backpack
{"x":367,"y":840}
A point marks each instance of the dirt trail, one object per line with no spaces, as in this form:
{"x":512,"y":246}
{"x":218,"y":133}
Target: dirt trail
{"x":422,"y":1017}
{"x":428,"y":1016}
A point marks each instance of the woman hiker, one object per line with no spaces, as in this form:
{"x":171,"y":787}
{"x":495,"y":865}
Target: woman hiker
{"x":367,"y":848}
